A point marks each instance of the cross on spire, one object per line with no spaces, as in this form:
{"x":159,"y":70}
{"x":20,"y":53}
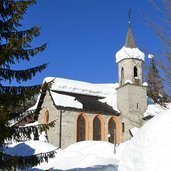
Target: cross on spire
{"x":130,"y":43}
{"x":129,"y":15}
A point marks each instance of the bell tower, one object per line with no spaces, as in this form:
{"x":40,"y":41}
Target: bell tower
{"x":131,"y":93}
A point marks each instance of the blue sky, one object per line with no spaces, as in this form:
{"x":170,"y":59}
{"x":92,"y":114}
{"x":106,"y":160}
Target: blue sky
{"x":84,"y":35}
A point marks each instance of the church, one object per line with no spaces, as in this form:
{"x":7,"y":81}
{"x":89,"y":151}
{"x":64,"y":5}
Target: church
{"x":101,"y":112}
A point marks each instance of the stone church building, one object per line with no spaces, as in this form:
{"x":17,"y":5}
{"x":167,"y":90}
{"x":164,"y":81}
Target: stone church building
{"x":105,"y":112}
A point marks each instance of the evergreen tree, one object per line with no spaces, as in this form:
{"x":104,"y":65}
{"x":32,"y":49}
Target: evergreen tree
{"x":15,"y":47}
{"x":155,"y":86}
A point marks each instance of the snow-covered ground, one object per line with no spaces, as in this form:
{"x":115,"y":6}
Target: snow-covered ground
{"x":86,"y":155}
{"x":150,"y":148}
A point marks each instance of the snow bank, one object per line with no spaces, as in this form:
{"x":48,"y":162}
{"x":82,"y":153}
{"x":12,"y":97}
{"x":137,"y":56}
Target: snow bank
{"x":126,"y":53}
{"x":134,"y":131}
{"x":154,"y":109}
{"x":150,"y":148}
{"x":89,"y":155}
{"x":85,"y":155}
{"x":29,"y":148}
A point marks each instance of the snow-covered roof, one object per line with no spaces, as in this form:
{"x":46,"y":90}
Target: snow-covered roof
{"x":65,"y":93}
{"x":66,"y":100}
{"x":74,"y":94}
{"x":80,"y":87}
{"x":126,"y":53}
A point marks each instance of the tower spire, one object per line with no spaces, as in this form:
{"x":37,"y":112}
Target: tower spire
{"x":130,"y":43}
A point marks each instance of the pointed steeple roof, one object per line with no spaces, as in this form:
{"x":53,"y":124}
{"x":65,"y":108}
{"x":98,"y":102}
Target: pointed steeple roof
{"x":130,"y":43}
{"x":129,"y":50}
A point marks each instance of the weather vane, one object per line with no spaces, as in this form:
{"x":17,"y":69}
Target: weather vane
{"x":129,"y":15}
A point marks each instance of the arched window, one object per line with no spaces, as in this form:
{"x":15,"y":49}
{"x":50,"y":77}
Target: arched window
{"x":111,"y":128}
{"x":113,"y":123}
{"x":81,"y":128}
{"x":135,"y":72}
{"x":97,"y":134}
{"x":122,"y":74}
{"x":46,"y":117}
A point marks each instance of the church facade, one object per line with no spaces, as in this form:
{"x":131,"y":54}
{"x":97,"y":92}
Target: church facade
{"x":102,"y":112}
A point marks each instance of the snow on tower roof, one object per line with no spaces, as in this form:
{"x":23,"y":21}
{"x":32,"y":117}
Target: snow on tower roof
{"x":126,"y":53}
{"x":129,"y":50}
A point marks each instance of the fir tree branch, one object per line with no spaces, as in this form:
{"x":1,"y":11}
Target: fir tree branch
{"x":19,"y":90}
{"x":15,"y":46}
{"x":10,"y":56}
{"x":20,"y":75}
{"x":18,"y":116}
{"x":34,"y":31}
{"x":15,"y":133}
{"x":24,"y":162}
{"x":11,"y":13}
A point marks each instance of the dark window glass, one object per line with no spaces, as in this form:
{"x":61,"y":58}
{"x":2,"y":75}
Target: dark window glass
{"x":123,"y":127}
{"x":135,"y":72}
{"x":96,"y":129}
{"x":122,"y":75}
{"x":81,"y":128}
{"x":111,"y":128}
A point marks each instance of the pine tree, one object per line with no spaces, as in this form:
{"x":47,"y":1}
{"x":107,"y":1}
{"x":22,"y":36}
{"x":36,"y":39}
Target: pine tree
{"x":15,"y":47}
{"x":155,"y":86}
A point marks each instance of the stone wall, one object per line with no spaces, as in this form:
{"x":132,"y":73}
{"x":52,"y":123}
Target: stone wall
{"x":132,"y":103}
{"x":53,"y":133}
{"x":128,"y":66}
{"x":69,"y":124}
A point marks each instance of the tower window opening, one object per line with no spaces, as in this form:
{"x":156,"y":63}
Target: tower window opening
{"x":122,"y":75}
{"x":123,"y":127}
{"x":135,"y":72}
{"x":137,"y":105}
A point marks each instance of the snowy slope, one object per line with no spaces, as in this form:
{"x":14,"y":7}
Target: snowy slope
{"x":150,"y":148}
{"x":86,"y":155}
{"x":155,"y":109}
{"x":29,"y":148}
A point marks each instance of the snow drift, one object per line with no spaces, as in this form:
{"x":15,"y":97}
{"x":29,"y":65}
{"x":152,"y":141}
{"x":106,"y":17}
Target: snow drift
{"x":150,"y":148}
